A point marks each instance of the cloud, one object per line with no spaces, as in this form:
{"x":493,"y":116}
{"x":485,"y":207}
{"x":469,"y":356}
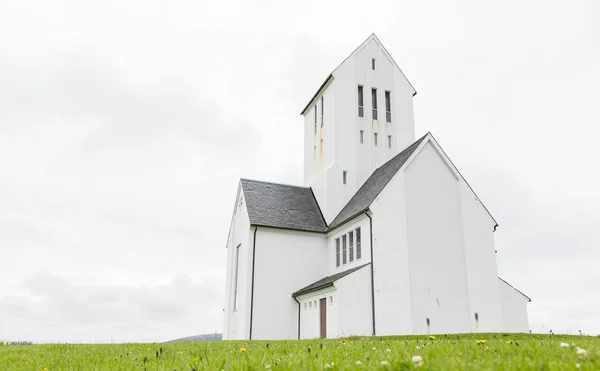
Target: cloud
{"x":54,"y":308}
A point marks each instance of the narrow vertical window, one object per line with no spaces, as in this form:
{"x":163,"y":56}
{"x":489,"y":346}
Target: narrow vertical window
{"x":344,"y":256}
{"x":357,"y":243}
{"x":375,"y":138}
{"x":344,"y":176}
{"x":362,"y":136}
{"x":361,"y":111}
{"x":373,"y":64}
{"x":374,"y":102}
{"x":351,"y":246}
{"x":337,"y":252}
{"x":315,"y":119}
{"x":321,"y":146}
{"x":322,"y":111}
{"x":389,"y":141}
{"x":236,"y":265}
{"x":315,"y":152}
{"x":388,"y":107}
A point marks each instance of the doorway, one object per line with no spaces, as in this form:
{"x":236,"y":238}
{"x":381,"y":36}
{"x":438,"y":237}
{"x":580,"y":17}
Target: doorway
{"x":323,"y":310}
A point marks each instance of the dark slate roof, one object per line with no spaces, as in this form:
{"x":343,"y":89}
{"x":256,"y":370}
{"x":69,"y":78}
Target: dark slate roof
{"x":282,"y":206}
{"x":326,"y":282}
{"x":369,"y":191}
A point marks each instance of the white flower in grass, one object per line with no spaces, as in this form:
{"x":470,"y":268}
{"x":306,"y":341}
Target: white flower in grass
{"x":358,"y":362}
{"x":581,"y":352}
{"x":384,"y":363}
{"x":327,"y":365}
{"x":388,"y":350}
{"x":374,"y":348}
{"x":417,"y":361}
{"x":577,"y":365}
{"x":418,"y":347}
{"x":564,"y":345}
{"x":267,"y":366}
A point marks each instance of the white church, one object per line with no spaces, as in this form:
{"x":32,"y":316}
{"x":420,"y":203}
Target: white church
{"x":385,"y":236}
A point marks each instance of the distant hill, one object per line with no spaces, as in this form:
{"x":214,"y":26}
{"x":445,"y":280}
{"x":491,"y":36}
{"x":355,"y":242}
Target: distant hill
{"x":204,"y":337}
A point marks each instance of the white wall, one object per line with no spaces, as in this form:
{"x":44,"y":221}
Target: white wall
{"x":392,"y":285}
{"x":480,"y":259}
{"x":350,"y":312}
{"x":361,"y":222}
{"x":310,"y":315}
{"x":286,"y":261}
{"x":514,"y":309}
{"x":353,"y":304}
{"x":236,"y":321}
{"x":345,"y":152}
{"x":435,"y":246}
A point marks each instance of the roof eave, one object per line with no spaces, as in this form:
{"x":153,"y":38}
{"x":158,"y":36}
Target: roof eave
{"x":317,"y":93}
{"x":313,"y":289}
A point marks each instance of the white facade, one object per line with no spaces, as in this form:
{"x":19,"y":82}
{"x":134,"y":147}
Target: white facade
{"x":333,"y":125}
{"x":426,"y":241}
{"x":514,"y":308}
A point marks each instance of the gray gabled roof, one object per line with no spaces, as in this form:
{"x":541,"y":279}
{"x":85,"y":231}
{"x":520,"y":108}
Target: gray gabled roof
{"x":369,"y":191}
{"x":326,"y":282}
{"x":282,"y":206}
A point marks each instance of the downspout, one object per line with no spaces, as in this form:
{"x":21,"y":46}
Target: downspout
{"x":252,"y":289}
{"x":372,"y":271}
{"x":299,"y":307}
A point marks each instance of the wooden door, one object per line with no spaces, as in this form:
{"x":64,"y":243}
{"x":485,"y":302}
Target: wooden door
{"x":323,"y":310}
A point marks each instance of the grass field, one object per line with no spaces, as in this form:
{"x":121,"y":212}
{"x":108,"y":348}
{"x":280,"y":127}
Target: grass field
{"x":451,"y":352}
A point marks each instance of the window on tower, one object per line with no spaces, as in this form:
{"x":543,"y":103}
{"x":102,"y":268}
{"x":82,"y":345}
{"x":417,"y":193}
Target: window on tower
{"x":374,"y":102}
{"x":375,"y":138}
{"x":322,"y":111}
{"x":373,"y":64}
{"x":362,"y":136}
{"x":344,"y":256}
{"x":389,"y":141}
{"x":388,"y":107}
{"x":361,"y":110}
{"x":344,"y":176}
{"x":315,"y":119}
{"x":337,"y":252}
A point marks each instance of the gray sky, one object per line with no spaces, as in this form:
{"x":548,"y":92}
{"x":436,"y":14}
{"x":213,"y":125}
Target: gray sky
{"x":125,"y":126}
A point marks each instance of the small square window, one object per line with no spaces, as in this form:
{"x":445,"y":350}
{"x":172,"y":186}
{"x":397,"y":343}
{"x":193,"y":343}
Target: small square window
{"x":362,"y":136}
{"x":373,"y":63}
{"x":344,"y":176}
{"x":305,"y":306}
{"x":330,"y":300}
{"x":375,"y":138}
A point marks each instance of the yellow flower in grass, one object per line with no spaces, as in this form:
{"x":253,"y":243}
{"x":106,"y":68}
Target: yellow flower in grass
{"x":508,"y":342}
{"x":243,"y":350}
{"x":481,"y":341}
{"x":431,"y":337}
{"x":45,"y":369}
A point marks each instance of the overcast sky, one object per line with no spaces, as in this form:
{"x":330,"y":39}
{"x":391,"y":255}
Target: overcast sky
{"x":125,"y":126}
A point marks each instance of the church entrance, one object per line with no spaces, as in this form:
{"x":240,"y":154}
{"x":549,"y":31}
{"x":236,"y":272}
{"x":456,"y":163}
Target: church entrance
{"x":323,"y":310}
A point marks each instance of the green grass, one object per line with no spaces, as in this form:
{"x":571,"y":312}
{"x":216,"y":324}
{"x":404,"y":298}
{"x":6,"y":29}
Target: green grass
{"x":451,"y":352}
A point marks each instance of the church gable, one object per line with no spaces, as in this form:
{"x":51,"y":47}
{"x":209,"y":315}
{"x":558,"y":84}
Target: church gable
{"x":282,"y":206}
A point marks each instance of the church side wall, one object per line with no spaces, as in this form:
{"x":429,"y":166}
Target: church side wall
{"x":361,"y":222}
{"x":353,"y":304}
{"x":392,"y":285}
{"x":480,"y":258}
{"x":285,"y":262}
{"x":514,"y":309}
{"x":435,"y":246}
{"x":236,"y":324}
